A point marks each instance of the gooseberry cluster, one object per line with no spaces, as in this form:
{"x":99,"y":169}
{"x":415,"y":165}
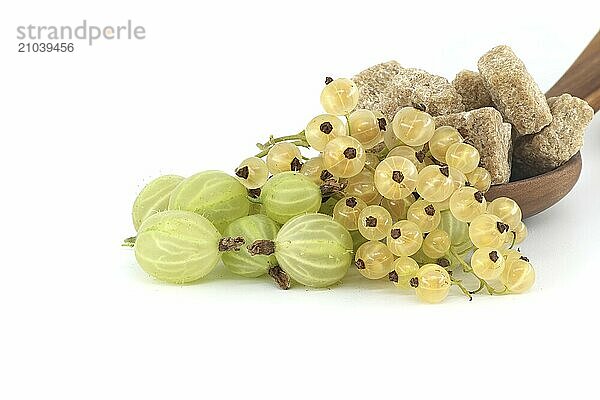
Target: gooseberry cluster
{"x":402,"y":200}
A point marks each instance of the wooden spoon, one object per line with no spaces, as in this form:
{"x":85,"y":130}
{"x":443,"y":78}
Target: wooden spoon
{"x":538,"y":193}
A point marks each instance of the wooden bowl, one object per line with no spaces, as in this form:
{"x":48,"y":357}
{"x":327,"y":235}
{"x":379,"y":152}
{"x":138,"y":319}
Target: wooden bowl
{"x":540,"y":192}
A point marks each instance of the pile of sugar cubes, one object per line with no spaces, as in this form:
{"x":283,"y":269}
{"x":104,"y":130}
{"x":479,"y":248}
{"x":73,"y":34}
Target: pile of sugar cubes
{"x":500,"y":110}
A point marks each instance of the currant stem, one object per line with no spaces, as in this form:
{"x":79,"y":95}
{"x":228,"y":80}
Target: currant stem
{"x":466,"y":267}
{"x":347,"y":116}
{"x":462,"y":288}
{"x":369,"y":168}
{"x":298,"y":139}
{"x":479,"y":289}
{"x":272,"y":140}
{"x":482,"y":282}
{"x":514,"y":239}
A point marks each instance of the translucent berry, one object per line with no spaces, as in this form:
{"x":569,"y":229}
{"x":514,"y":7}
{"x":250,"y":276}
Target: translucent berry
{"x":435,"y":184}
{"x":463,"y":157}
{"x":339,"y":96}
{"x":373,"y":260}
{"x":371,"y":160}
{"x":363,"y":186}
{"x":364,"y":127}
{"x":344,"y":157}
{"x":520,"y":234}
{"x":374,"y":222}
{"x":315,"y":171}
{"x":404,"y":238}
{"x":413,"y":127}
{"x":417,"y":155}
{"x":405,"y":268}
{"x":457,"y":230}
{"x":487,"y":230}
{"x":467,"y":203}
{"x":284,"y":156}
{"x":322,"y":129}
{"x":436,"y":244}
{"x":518,"y":275}
{"x":424,"y":214}
{"x":432,"y":283}
{"x":487,"y":263}
{"x":442,"y":138}
{"x":480,"y":179}
{"x":507,"y":210}
{"x":395,"y":178}
{"x":398,"y":208}
{"x":252,"y":172}
{"x":347,"y":211}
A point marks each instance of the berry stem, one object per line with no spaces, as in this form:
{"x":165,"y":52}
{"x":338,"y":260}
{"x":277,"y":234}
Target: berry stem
{"x":129,"y":242}
{"x":297,"y":139}
{"x":347,"y":116}
{"x":482,"y":282}
{"x":466,"y":267}
{"x":514,"y":239}
{"x":369,"y":168}
{"x":462,"y":288}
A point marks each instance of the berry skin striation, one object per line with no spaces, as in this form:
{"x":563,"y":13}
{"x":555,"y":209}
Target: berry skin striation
{"x":154,"y":198}
{"x":314,"y":250}
{"x":177,"y":246}
{"x":289,"y":194}
{"x":213,"y":194}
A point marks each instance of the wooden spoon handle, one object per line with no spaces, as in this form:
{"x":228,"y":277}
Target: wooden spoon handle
{"x":582,"y":79}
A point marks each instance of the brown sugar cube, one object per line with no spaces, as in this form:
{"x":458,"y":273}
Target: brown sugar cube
{"x":470,"y":86}
{"x":558,"y":142}
{"x":513,"y":90}
{"x":483,"y":128}
{"x":415,"y":87}
{"x":372,"y":81}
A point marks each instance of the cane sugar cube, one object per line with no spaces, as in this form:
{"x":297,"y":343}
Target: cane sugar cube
{"x":417,"y":88}
{"x":372,"y":82}
{"x":513,"y":90}
{"x":556,"y":143}
{"x":471,"y":88}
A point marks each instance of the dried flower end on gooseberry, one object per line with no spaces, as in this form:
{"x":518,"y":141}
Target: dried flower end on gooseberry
{"x":250,"y":228}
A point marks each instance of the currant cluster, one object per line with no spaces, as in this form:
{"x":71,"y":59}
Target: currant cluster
{"x":402,"y":200}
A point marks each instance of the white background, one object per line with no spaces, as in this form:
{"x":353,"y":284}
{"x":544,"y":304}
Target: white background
{"x":83,"y":132}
